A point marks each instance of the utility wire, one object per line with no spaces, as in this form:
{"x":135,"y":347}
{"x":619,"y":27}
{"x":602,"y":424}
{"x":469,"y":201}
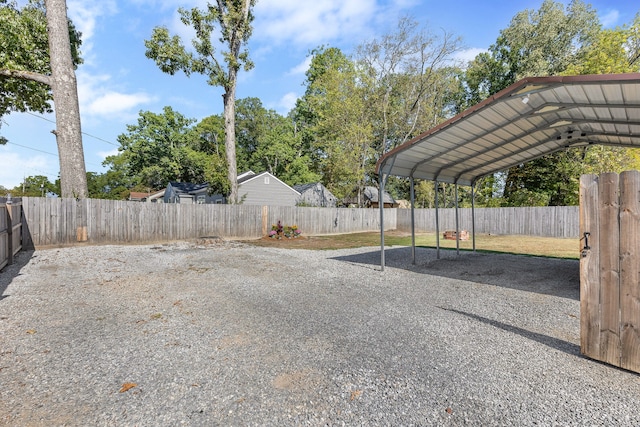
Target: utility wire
{"x":84,"y":133}
{"x":45,"y":152}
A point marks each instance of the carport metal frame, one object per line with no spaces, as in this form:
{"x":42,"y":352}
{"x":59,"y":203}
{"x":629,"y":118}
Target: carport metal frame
{"x":529,"y":119}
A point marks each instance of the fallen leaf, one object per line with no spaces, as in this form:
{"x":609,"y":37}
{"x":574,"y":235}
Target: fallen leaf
{"x":449,"y":411}
{"x":31,"y":331}
{"x":355,"y":394}
{"x":127,"y":387}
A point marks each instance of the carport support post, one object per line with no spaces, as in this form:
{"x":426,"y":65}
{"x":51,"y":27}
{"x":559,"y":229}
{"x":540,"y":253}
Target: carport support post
{"x":413,"y":222}
{"x":381,"y":207}
{"x":437,"y":184}
{"x":455,"y":187}
{"x":473,"y":215}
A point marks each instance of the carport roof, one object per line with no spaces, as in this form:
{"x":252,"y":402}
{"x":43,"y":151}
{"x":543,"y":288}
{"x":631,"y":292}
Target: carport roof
{"x":532,"y":117}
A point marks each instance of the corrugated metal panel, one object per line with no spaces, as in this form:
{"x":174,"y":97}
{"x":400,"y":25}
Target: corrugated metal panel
{"x":529,"y":119}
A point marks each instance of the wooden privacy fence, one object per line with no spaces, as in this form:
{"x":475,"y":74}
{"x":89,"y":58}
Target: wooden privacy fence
{"x":548,"y":221}
{"x":56,"y":221}
{"x":610,"y":268}
{"x":10,"y":229}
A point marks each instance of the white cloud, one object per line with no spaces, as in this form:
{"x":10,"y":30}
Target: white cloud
{"x":467,"y":55}
{"x":84,"y":16}
{"x":110,"y":103}
{"x":610,"y":19}
{"x":16,"y":166}
{"x":311,"y":23}
{"x":99,"y":98}
{"x":104,"y":154}
{"x":287,"y":102}
{"x":301,"y":68}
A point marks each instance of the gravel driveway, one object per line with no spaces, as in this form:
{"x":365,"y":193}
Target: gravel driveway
{"x":230,"y":334}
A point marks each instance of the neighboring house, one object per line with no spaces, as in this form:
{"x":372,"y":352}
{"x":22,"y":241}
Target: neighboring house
{"x":315,"y":194}
{"x":186,"y":192}
{"x":157,"y":197}
{"x":371,"y":198}
{"x":265,"y":189}
{"x":138,"y":196}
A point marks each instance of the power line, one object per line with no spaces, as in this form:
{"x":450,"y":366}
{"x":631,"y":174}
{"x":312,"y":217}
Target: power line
{"x":45,"y":152}
{"x":84,"y":133}
{"x":30,"y":148}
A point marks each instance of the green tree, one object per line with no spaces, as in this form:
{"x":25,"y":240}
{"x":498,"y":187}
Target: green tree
{"x":44,"y":54}
{"x":35,"y":186}
{"x":269,"y":142}
{"x":341,"y":128}
{"x":165,"y":147}
{"x":234,"y":18}
{"x":613,"y":51}
{"x":24,"y":75}
{"x":547,"y":41}
{"x":112,"y":184}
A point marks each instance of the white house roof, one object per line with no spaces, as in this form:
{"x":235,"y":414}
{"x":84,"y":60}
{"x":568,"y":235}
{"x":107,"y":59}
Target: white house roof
{"x":531,"y":118}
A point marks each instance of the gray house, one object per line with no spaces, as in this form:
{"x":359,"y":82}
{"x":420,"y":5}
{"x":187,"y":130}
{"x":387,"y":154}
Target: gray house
{"x":265,"y":189}
{"x":315,"y":194}
{"x":185,"y":192}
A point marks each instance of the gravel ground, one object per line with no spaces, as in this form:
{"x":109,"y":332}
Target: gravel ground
{"x":230,"y":334}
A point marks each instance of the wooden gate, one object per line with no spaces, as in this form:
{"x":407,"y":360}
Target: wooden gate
{"x":610,"y":268}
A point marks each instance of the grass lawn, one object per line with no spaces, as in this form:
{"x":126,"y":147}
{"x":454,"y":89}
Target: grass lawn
{"x":528,"y":245}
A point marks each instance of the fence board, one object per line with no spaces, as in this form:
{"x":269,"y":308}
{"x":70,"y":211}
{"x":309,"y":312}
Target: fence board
{"x":589,"y":268}
{"x":609,"y":268}
{"x":630,"y":270}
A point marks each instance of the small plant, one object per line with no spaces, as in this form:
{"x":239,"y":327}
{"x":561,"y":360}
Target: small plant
{"x":289,"y":231}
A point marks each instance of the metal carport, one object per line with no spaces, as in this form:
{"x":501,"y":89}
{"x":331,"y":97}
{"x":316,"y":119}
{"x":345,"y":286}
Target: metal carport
{"x":529,"y":119}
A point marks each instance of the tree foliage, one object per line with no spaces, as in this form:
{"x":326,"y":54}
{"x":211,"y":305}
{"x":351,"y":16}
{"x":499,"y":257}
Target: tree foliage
{"x":166,"y":147}
{"x":39,"y":53}
{"x":24,"y":57}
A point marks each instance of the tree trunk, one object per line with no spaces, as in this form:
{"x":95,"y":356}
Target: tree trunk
{"x":73,"y":177}
{"x":230,"y":138}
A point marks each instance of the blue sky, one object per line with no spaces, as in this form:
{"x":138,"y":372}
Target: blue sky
{"x":117,"y":81}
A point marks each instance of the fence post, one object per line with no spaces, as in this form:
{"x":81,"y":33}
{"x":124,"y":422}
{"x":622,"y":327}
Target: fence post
{"x":9,"y":209}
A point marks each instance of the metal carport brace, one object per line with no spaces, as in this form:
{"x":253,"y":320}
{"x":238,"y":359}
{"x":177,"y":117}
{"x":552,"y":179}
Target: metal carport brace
{"x":529,"y":119}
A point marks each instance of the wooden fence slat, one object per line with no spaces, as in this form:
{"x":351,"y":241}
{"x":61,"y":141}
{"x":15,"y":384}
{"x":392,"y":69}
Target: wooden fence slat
{"x":589,"y":268}
{"x":609,"y":241}
{"x":630,"y":270}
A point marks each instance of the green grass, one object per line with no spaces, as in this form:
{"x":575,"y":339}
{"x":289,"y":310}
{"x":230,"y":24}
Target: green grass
{"x":525,"y":245}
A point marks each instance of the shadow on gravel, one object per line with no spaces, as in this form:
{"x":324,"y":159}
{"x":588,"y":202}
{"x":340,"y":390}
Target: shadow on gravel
{"x":552,"y":342}
{"x":10,"y":272}
{"x":549,"y":276}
